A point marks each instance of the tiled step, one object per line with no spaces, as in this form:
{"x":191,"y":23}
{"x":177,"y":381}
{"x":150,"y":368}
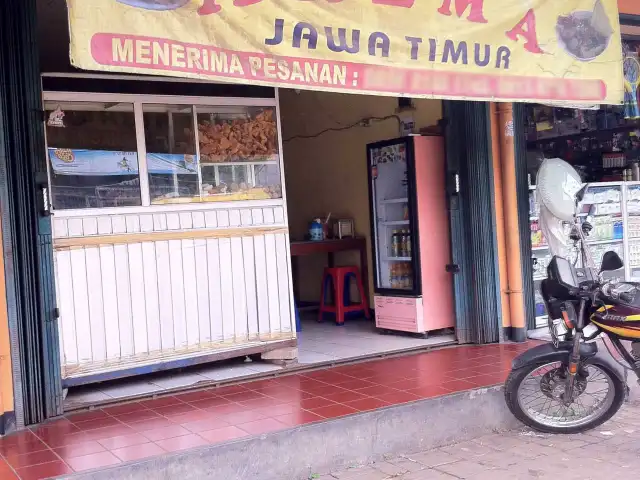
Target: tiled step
{"x":297,"y":453}
{"x":152,"y":428}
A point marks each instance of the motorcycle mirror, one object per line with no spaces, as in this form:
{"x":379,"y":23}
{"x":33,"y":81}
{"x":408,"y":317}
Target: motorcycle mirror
{"x":611,"y":261}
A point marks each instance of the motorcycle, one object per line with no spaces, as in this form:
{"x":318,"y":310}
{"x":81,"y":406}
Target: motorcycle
{"x":567,"y":385}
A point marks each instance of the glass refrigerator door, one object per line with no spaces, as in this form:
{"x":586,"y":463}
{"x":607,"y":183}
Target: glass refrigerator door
{"x":391,"y":204}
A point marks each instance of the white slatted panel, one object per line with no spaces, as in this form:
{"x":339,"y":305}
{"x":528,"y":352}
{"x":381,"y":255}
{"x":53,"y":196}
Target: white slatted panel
{"x":176,"y":273}
{"x":118,"y":224}
{"x":146,"y":223}
{"x":173,"y":221}
{"x":104,"y":226}
{"x":215,"y":289}
{"x":268,"y":216}
{"x":80,"y":294}
{"x":250,"y":293}
{"x":226,"y":289}
{"x":284,"y":287}
{"x":132,"y":223}
{"x":246,"y":219}
{"x":60,"y":229}
{"x":190,"y":283}
{"x":234,"y":218}
{"x":110,"y":301}
{"x":165,"y":301}
{"x":278,"y":215}
{"x":66,"y":303}
{"x":262,"y":287}
{"x":138,"y":298}
{"x":159,"y":222}
{"x":198,"y":220}
{"x":151,"y":296}
{"x":239,"y":290}
{"x":125,"y":301}
{"x":96,"y":303}
{"x":89,"y":226}
{"x":123,"y":291}
{"x":272,"y":283}
{"x":202,"y":290}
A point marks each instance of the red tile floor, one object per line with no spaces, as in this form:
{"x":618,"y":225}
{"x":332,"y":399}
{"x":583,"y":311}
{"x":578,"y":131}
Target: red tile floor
{"x":136,"y":430}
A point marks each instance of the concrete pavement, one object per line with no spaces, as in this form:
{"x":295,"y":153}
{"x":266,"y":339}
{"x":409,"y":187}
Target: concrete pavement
{"x":611,"y":451}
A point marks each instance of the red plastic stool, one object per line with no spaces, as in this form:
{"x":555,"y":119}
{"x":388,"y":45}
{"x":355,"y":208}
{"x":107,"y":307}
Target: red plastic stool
{"x":339,"y":277}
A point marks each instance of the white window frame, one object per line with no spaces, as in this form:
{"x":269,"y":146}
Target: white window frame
{"x":138,"y":101}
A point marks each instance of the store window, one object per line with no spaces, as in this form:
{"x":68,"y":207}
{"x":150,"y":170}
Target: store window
{"x":192,"y":154}
{"x":92,"y":153}
{"x":238,"y":153}
{"x":603,"y":144}
{"x":172,"y":159}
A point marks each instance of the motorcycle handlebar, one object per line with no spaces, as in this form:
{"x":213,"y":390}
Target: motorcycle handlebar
{"x":625,"y":297}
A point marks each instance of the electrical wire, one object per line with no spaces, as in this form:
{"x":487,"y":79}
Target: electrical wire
{"x":363,"y":122}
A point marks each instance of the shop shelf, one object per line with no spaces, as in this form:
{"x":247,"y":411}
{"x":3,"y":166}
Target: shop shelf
{"x":604,"y":242}
{"x":395,"y":222}
{"x":542,"y":247}
{"x":397,"y":259}
{"x":238,"y":164}
{"x":396,"y":200}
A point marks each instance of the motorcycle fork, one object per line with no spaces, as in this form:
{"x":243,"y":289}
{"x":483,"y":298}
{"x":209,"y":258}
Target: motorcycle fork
{"x":574,"y":358}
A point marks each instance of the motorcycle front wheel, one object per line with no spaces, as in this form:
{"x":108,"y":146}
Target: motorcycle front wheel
{"x":534,"y":394}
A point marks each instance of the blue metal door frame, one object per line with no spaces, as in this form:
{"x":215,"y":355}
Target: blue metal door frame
{"x":26,"y":225}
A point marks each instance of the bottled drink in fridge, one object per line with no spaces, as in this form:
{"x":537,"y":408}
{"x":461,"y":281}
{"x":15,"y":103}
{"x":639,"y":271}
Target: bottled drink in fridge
{"x":395,"y":244}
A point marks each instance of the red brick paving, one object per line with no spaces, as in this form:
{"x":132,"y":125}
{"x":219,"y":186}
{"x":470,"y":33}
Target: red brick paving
{"x":146,"y":428}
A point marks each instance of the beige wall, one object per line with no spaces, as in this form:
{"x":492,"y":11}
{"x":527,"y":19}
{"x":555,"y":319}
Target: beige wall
{"x":329,"y":173}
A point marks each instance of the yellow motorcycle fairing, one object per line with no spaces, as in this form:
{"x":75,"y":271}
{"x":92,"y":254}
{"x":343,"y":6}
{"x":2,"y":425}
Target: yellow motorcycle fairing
{"x":627,"y":328}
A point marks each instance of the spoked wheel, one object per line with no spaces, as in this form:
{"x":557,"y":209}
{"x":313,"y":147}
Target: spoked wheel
{"x":535,"y":395}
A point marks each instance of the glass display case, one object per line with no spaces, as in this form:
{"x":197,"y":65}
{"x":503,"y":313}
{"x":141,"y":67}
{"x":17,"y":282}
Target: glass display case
{"x":239,"y":153}
{"x":192,"y":153}
{"x":92,"y":153}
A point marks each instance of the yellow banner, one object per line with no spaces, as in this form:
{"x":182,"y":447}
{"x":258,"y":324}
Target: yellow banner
{"x":511,"y":50}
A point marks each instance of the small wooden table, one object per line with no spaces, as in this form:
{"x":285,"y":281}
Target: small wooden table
{"x":330,"y":247}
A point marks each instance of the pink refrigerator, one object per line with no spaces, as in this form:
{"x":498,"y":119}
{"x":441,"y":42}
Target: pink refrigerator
{"x":410,"y":235}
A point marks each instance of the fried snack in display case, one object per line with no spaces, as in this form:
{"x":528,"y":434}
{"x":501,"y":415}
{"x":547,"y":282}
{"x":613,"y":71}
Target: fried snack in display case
{"x":244,"y":134}
{"x":239,"y":158}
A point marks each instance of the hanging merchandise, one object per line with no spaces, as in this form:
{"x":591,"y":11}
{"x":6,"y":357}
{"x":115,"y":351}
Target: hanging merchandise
{"x":631,"y":69}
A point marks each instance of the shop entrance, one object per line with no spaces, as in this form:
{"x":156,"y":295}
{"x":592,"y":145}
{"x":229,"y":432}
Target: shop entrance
{"x":382,"y":201}
{"x":111,"y":284}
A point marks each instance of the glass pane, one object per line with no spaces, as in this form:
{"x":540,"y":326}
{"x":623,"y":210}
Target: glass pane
{"x":394,"y":262}
{"x":239,"y":153}
{"x":633,"y":230}
{"x":602,"y":204}
{"x":92,"y":152}
{"x":171,"y":153}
